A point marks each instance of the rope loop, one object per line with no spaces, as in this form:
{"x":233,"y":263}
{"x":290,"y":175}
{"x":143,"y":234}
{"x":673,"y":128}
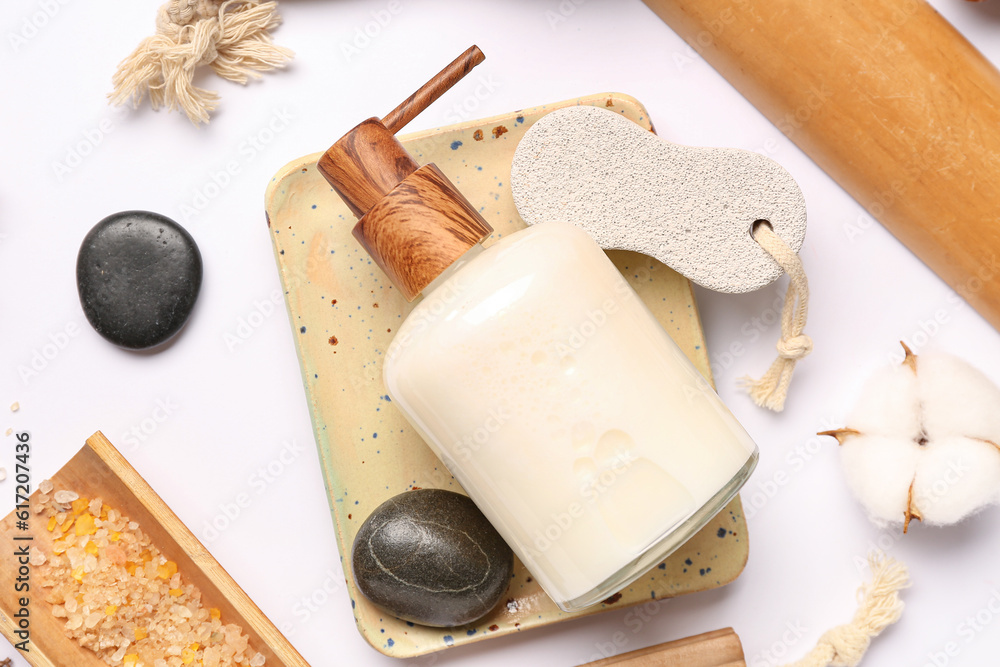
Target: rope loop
{"x":771,"y":390}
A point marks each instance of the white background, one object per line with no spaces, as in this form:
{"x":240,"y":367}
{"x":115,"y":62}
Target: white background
{"x":233,"y":411}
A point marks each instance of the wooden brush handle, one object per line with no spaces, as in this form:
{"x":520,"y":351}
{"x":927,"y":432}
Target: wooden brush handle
{"x":433,"y":89}
{"x":721,"y":648}
{"x":890,"y":100}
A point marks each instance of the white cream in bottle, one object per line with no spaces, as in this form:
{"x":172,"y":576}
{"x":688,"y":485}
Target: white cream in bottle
{"x":565,"y":411}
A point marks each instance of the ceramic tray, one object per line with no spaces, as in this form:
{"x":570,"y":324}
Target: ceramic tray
{"x":344,"y":313}
{"x":98,"y":470}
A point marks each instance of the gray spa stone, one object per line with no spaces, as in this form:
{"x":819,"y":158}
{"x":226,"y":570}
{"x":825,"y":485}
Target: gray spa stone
{"x":138,"y":274}
{"x":430,"y":556}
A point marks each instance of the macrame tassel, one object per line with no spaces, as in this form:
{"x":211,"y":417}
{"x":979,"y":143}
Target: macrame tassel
{"x":880,"y":607}
{"x":231,"y":37}
{"x":771,"y":390}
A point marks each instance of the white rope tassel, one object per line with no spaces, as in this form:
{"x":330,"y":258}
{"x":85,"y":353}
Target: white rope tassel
{"x":880,"y":607}
{"x":231,"y":37}
{"x":771,"y":390}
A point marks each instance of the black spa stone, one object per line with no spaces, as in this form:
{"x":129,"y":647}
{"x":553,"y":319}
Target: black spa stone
{"x":138,"y":274}
{"x":430,"y":556}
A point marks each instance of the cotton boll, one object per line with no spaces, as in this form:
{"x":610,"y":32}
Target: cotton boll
{"x":888,"y":404}
{"x":924,"y":442}
{"x":879,"y":470}
{"x":957,"y":398}
{"x":956,"y":477}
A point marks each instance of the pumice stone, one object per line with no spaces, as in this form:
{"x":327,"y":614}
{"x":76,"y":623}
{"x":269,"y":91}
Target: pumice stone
{"x":690,"y":208}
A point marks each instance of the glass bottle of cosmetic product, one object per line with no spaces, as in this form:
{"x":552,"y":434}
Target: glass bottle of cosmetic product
{"x":536,"y":373}
{"x":566,"y":412}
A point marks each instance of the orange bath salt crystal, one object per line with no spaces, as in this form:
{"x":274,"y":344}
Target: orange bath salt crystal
{"x":114,"y":536}
{"x":67,"y":524}
{"x":194,"y":646}
{"x":104,"y":511}
{"x":130,"y":567}
{"x":110,"y":610}
{"x":175,"y":592}
{"x":85,"y":524}
{"x":166,"y":570}
{"x":146,"y":556}
{"x":91,"y":548}
{"x":79,"y":505}
{"x":187,"y":656}
{"x":130,"y":660}
{"x":78,"y":573}
{"x":215,"y":614}
{"x":140,"y":633}
{"x":52,"y":524}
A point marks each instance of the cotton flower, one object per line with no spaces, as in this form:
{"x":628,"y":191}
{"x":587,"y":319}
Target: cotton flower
{"x":922,"y":442}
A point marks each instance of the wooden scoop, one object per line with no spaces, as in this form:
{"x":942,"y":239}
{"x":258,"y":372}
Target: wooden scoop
{"x":99,"y":470}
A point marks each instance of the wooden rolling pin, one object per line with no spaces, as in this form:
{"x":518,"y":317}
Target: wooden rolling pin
{"x":890,"y":100}
{"x":721,"y":648}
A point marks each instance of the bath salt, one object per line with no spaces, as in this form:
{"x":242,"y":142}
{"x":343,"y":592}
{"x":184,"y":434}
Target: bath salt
{"x":122,"y":598}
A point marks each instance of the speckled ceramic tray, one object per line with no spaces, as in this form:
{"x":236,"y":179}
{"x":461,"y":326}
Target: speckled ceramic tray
{"x":344,"y":312}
